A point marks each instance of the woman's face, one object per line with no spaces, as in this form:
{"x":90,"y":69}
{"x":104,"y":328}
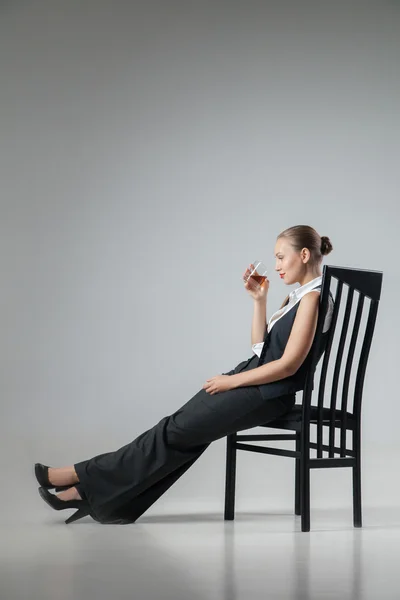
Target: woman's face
{"x":289,"y":263}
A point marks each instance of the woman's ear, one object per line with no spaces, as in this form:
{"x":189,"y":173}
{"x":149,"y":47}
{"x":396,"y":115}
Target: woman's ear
{"x":305,"y":255}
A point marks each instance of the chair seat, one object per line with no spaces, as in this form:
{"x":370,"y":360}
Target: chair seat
{"x":293,"y":420}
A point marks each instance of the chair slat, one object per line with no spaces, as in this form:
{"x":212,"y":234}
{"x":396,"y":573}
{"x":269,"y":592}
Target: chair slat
{"x":349,"y":364}
{"x":369,"y":331}
{"x":324,"y":369}
{"x":338,"y":364}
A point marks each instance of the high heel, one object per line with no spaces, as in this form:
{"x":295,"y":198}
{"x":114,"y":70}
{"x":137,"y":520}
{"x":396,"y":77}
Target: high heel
{"x":42,"y":476}
{"x":57,"y":504}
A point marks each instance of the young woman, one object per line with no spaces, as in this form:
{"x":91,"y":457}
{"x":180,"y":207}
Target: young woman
{"x":117,"y":487}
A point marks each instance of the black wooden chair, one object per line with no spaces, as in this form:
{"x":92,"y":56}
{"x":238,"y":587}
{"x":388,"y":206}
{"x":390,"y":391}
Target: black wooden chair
{"x":335,"y":408}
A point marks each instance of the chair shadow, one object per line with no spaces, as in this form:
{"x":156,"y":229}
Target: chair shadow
{"x":337,"y":518}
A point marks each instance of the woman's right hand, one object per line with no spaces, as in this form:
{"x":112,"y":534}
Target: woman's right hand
{"x":256,"y":292}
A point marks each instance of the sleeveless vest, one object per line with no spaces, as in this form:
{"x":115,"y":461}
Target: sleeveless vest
{"x":274,"y":346}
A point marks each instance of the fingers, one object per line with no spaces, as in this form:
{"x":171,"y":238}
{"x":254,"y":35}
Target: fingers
{"x":248,"y":270}
{"x":208,"y":387}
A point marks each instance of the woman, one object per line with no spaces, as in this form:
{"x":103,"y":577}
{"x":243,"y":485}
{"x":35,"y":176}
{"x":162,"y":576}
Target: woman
{"x":117,"y":487}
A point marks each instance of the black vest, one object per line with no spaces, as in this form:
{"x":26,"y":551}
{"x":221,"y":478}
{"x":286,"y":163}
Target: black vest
{"x":274,"y":346}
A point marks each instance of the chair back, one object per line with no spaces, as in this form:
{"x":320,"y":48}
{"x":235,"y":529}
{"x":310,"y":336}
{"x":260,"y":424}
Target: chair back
{"x":356,"y":294}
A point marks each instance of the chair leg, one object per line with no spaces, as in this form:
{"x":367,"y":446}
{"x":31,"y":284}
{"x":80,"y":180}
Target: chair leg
{"x":357,"y":513}
{"x":230,"y":477}
{"x":297,"y":498}
{"x":305,"y":494}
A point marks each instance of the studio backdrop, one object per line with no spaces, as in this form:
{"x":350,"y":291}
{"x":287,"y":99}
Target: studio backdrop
{"x":149,"y":152}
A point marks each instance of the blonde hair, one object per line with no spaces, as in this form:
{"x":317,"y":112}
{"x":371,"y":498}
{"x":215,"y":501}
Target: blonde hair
{"x":304,"y":236}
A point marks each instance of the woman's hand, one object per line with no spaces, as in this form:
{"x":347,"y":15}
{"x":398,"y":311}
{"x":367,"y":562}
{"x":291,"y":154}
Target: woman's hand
{"x":219,"y":383}
{"x":256,"y":292}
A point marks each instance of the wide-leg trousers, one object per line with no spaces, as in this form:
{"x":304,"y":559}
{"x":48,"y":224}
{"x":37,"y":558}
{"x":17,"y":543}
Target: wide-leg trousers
{"x":121,"y":485}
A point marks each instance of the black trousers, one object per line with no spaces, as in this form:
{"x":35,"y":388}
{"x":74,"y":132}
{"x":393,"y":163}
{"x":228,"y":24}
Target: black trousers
{"x":121,"y":485}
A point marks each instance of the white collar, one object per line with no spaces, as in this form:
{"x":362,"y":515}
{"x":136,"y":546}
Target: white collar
{"x":299,"y":292}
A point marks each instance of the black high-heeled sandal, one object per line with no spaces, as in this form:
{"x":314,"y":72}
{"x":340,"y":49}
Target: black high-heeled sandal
{"x":42,"y":476}
{"x":57,"y":504}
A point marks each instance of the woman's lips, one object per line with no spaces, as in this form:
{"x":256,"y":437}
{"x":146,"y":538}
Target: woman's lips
{"x":281,"y":275}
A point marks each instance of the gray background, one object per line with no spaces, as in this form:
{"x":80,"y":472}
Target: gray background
{"x":149,"y":152}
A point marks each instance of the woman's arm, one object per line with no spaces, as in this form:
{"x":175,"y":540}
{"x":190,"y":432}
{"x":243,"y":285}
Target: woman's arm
{"x":296,"y":350}
{"x":259,"y":322}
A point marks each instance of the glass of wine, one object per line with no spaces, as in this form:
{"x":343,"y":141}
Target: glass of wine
{"x":256,"y":274}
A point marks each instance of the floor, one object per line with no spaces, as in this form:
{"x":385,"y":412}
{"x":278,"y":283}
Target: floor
{"x":199,"y":556}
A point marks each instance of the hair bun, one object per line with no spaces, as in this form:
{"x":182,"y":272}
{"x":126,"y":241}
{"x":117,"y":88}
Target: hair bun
{"x":326,"y":246}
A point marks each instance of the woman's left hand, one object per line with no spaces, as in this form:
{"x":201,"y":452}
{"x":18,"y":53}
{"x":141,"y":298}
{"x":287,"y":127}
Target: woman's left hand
{"x":219,"y":383}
